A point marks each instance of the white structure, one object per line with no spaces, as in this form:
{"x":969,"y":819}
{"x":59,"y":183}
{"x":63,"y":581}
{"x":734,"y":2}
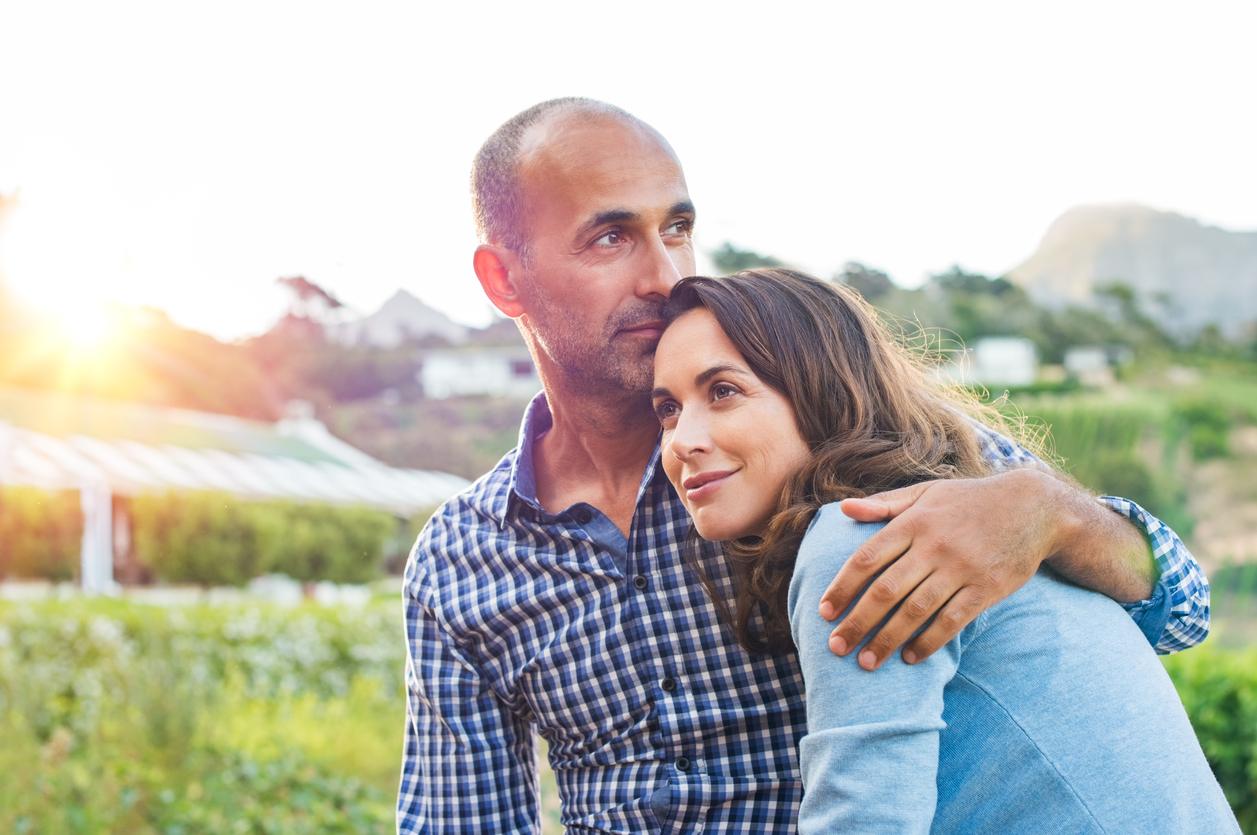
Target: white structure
{"x":996,"y":361}
{"x":106,"y":448}
{"x":504,"y":372}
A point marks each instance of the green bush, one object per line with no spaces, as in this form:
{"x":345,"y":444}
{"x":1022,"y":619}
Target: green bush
{"x":1208,"y":427}
{"x":40,"y":533}
{"x":218,"y":539}
{"x":1219,"y":691}
{"x":198,"y":537}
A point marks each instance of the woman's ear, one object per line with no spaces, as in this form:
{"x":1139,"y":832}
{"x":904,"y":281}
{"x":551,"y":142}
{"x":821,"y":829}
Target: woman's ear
{"x":498,"y":269}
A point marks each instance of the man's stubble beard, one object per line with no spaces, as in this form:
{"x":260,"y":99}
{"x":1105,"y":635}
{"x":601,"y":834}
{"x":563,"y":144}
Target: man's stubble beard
{"x":608,"y":364}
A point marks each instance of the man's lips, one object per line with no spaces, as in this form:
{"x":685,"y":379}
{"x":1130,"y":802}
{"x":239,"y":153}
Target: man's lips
{"x":704,"y":484}
{"x":653,"y":328}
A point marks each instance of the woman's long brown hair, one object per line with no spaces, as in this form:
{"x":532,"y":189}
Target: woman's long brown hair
{"x":871,"y":415}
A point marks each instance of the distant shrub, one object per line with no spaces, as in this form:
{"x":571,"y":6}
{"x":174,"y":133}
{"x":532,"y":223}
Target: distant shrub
{"x":218,"y":539}
{"x":1208,"y":426}
{"x":200,"y":537}
{"x":40,"y":533}
{"x":1219,"y":691}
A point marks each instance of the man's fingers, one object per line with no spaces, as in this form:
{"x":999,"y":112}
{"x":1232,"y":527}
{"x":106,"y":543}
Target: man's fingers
{"x":883,"y":595}
{"x":883,"y":506}
{"x":958,"y":613}
{"x":917,"y":609}
{"x":879,"y":551}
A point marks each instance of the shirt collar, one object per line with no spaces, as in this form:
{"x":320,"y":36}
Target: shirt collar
{"x":537,"y":422}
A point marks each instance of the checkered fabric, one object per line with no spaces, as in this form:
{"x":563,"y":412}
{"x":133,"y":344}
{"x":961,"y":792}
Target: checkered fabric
{"x":520,"y":621}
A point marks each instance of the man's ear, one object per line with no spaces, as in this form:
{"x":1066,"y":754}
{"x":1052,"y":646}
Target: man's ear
{"x":498,"y":269}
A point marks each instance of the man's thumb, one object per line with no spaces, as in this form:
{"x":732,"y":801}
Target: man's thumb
{"x":883,"y":506}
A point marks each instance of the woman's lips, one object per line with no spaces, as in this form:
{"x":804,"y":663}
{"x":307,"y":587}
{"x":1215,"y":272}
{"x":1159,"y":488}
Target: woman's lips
{"x":699,"y":487}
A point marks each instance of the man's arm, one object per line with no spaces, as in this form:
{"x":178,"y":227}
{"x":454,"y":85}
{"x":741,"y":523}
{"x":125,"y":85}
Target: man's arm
{"x":469,"y":764}
{"x":961,"y":546}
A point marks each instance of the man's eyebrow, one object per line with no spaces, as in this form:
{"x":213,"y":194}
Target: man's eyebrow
{"x":684,"y":207}
{"x":603,"y":218}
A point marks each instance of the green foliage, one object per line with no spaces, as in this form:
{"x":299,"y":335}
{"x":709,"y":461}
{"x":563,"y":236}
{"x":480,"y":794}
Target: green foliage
{"x":40,"y":533}
{"x":870,"y":283}
{"x":118,"y":717}
{"x":218,"y":539}
{"x":1219,"y":691}
{"x":1102,"y":445}
{"x":729,"y":259}
{"x":1208,"y":425}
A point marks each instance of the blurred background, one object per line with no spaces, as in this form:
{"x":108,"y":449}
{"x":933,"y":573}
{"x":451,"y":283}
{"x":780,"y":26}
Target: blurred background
{"x":243,"y":355}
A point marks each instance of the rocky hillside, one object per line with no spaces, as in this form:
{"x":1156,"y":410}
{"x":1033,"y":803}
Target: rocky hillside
{"x":1187,"y":275}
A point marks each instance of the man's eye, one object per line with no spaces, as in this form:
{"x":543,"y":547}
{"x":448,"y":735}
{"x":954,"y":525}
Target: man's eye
{"x":681,"y":227}
{"x":610,"y":239}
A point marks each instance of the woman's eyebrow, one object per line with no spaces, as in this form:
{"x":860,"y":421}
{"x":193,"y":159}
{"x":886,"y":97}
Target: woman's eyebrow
{"x":660,"y":391}
{"x":705,"y":376}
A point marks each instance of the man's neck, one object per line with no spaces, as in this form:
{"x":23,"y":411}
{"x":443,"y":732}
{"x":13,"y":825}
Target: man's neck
{"x":595,"y":452}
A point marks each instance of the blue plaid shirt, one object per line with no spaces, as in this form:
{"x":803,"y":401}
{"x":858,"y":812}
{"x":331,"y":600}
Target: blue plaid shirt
{"x":521,"y":621}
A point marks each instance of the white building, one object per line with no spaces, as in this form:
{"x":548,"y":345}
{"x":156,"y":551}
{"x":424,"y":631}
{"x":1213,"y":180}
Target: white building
{"x":995,"y":361}
{"x":502,"y":372}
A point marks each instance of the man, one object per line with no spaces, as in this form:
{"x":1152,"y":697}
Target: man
{"x":552,"y":594}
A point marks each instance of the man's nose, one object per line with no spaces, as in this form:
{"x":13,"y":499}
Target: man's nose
{"x":660,"y":272}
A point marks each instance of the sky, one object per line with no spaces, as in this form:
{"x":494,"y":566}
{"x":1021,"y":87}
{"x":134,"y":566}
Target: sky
{"x":185,"y":156}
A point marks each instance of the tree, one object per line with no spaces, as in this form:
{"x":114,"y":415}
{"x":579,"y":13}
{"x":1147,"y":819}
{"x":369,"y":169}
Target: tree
{"x":868,"y":282}
{"x":729,"y":259}
{"x":310,"y":300}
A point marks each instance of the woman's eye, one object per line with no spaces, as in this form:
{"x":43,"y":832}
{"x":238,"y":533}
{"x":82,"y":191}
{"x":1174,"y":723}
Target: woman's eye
{"x":721,"y":392}
{"x":666,"y":411}
{"x":610,"y":239}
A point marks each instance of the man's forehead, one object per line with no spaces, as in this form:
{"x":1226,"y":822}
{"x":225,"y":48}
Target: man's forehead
{"x":583,"y":145}
{"x":600,"y":163}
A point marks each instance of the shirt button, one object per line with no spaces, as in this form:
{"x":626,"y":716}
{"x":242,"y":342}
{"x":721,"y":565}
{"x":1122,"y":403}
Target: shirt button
{"x":668,"y":684}
{"x":583,"y":516}
{"x":682,"y":764}
{"x":639,"y":582}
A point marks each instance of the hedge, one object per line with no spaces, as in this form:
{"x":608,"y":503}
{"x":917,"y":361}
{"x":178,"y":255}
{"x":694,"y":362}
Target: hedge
{"x":218,"y":539}
{"x":40,"y":533}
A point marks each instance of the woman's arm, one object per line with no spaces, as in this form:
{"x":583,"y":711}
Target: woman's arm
{"x":870,"y":759}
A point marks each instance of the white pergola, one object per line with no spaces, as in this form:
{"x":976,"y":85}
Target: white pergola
{"x":104,"y":448}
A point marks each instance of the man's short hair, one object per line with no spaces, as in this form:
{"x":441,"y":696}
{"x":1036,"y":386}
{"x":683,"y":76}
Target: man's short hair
{"x":497,"y":199}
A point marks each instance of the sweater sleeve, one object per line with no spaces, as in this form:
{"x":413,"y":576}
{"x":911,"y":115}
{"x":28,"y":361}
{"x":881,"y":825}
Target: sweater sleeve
{"x":870,"y":758}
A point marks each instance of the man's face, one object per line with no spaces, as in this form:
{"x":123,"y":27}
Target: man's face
{"x":609,"y":229}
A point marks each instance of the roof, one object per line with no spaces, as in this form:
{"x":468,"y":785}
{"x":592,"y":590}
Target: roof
{"x":60,"y":441}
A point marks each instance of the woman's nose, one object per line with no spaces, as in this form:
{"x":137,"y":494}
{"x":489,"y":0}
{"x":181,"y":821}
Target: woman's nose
{"x":689,"y":436}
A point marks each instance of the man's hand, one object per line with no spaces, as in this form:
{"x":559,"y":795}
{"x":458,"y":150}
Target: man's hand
{"x":952,"y":550}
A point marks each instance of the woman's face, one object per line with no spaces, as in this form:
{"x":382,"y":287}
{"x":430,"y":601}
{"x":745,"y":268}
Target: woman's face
{"x":729,"y":441}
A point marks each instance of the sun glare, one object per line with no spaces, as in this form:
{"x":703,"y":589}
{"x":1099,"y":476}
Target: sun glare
{"x":86,"y":327}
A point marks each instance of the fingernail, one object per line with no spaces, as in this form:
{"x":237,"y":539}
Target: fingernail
{"x":909,"y":657}
{"x":838,"y":645}
{"x":827,"y":610}
{"x":868,"y":660}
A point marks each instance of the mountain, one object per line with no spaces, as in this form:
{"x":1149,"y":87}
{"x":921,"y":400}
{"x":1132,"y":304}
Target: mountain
{"x":403,"y":317}
{"x":1185,"y":274}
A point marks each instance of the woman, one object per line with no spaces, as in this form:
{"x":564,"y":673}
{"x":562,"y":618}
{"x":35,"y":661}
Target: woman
{"x":779,"y":396}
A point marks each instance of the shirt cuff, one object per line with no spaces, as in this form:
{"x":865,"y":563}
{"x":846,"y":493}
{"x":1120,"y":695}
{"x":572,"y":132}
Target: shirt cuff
{"x":1152,"y":615}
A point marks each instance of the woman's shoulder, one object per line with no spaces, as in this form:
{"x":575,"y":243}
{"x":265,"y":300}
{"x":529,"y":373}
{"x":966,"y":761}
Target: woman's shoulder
{"x":830,"y":541}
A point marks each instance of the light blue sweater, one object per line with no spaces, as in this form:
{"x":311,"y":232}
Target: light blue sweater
{"x":1049,"y":713}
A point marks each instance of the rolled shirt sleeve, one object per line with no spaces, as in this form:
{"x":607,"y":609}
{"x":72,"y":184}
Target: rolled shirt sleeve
{"x":1176,"y":616}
